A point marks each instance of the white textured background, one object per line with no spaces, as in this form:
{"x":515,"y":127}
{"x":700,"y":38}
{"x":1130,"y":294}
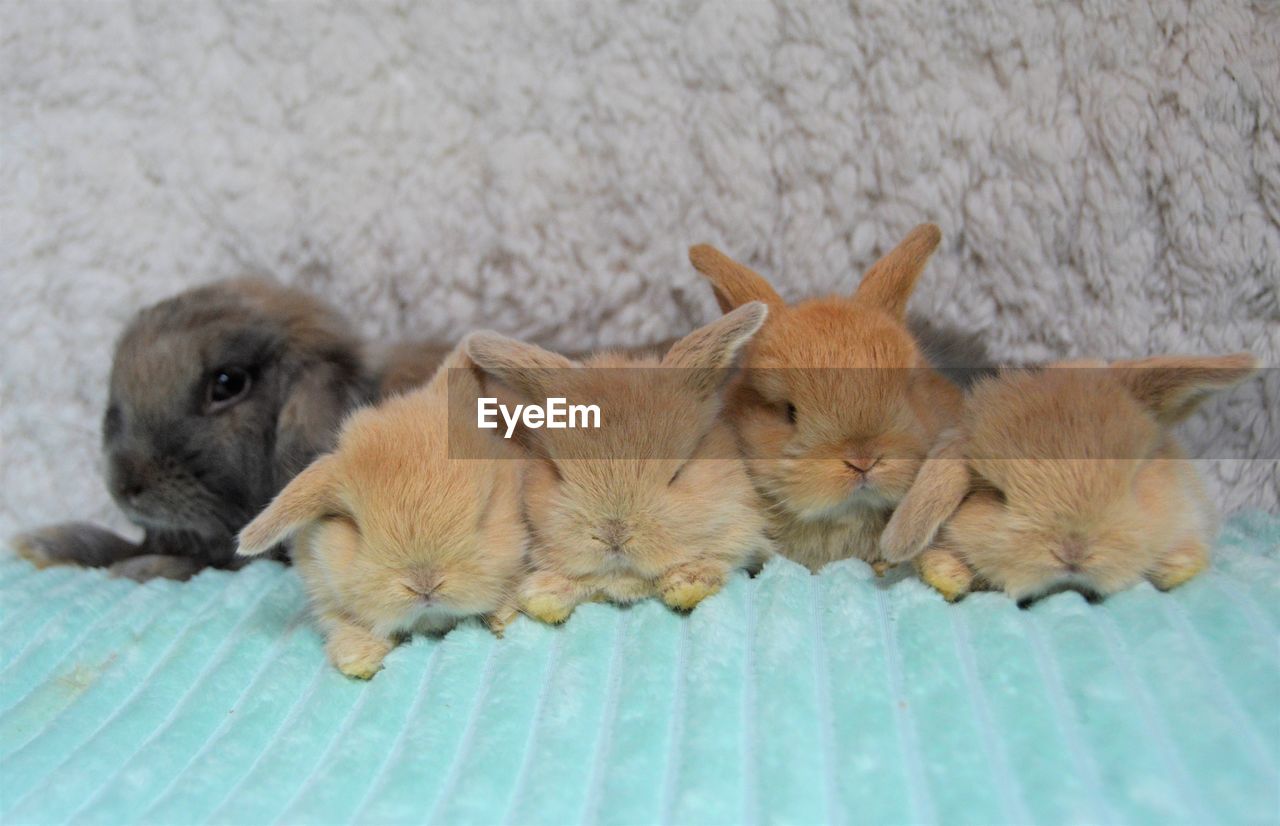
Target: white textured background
{"x":1107,"y":176}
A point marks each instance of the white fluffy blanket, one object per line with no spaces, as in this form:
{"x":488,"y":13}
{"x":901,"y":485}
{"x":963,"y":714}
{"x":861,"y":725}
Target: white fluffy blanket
{"x":1107,"y":176}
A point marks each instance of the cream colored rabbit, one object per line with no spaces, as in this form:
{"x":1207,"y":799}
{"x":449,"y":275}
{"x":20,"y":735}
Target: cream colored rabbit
{"x":654,"y":503}
{"x":1066,"y":477}
{"x":395,"y":537}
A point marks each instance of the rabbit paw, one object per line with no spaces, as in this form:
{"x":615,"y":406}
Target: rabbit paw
{"x":881,"y":567}
{"x":683,"y":589}
{"x":498,"y":621}
{"x":157,"y":566}
{"x":945,"y":573}
{"x":357,"y":653}
{"x":1181,"y":564}
{"x":548,"y":608}
{"x":72,"y":543}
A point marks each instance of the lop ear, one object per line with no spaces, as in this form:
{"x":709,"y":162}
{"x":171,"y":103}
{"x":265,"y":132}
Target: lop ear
{"x":733,"y":283}
{"x":313,"y":411}
{"x":708,"y":354}
{"x":935,"y":494}
{"x":456,"y":375}
{"x":890,"y":281}
{"x":526,"y":368}
{"x":1172,"y":387}
{"x":307,"y":498}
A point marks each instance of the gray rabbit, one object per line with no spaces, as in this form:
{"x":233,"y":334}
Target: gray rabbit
{"x":218,"y":397}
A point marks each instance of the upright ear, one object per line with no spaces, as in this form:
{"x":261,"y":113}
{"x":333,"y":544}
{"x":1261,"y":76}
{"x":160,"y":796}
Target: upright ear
{"x":525,"y":368}
{"x":733,"y":283}
{"x":890,"y":281}
{"x":307,"y":498}
{"x":1172,"y":387}
{"x":935,"y":494}
{"x":709,"y":353}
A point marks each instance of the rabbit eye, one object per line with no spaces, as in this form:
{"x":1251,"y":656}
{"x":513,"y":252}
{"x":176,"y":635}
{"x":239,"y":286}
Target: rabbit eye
{"x":226,"y":386}
{"x":676,"y":475}
{"x":791,"y":412}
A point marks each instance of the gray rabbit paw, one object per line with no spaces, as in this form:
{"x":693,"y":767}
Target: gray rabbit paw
{"x":157,"y":566}
{"x":72,"y":543}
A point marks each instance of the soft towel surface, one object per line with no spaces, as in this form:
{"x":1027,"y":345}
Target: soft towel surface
{"x":1107,"y":176}
{"x":789,"y":698}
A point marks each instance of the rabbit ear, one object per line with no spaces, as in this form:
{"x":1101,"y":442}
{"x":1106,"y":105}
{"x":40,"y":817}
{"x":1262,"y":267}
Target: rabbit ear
{"x":457,"y":373}
{"x":709,"y":353}
{"x":526,"y":368}
{"x":312,"y":414}
{"x":1172,"y":387}
{"x":936,"y":492}
{"x":889,"y":282}
{"x":307,"y":498}
{"x":733,"y":283}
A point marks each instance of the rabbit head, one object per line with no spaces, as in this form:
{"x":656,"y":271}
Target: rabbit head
{"x":660,"y":482}
{"x":393,"y":534}
{"x":837,"y":406}
{"x":217,"y":397}
{"x":1069,"y":477}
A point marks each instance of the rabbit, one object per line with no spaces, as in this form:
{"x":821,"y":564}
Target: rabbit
{"x":1066,"y":477}
{"x":837,"y":406}
{"x":656,"y":502}
{"x":392,"y":536}
{"x":218,"y":396}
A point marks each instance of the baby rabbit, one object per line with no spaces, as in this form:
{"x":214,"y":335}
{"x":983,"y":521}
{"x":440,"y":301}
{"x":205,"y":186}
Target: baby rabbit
{"x":218,"y":396}
{"x":1066,"y":477}
{"x":837,"y":406}
{"x":394,"y":536}
{"x":656,"y":502}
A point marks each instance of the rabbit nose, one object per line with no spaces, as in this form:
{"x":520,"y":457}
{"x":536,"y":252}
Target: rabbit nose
{"x":1071,"y":552}
{"x":614,"y":534}
{"x":127,"y":476}
{"x":861,"y":464}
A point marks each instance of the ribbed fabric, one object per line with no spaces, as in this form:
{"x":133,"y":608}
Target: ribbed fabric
{"x":790,"y":698}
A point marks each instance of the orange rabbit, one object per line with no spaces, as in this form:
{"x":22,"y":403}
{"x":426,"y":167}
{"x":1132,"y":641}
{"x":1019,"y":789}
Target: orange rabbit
{"x":1066,"y":478}
{"x":392,"y":535}
{"x":837,"y":406}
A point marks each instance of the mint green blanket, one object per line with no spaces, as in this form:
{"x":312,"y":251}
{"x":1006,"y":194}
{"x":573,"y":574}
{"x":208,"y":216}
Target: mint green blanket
{"x":790,"y":698}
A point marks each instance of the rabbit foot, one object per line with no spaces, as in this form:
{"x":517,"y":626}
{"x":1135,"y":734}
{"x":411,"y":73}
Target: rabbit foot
{"x":498,"y":621}
{"x":548,"y":608}
{"x":685,"y":596}
{"x":684,"y":589}
{"x":945,"y":573}
{"x":73,"y":543}
{"x":881,"y":567}
{"x":356,"y":652}
{"x":1182,"y":564}
{"x":157,"y":566}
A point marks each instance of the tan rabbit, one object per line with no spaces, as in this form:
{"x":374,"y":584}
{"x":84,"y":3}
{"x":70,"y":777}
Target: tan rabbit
{"x":392,"y":535}
{"x":657,"y":501}
{"x":1066,"y":477}
{"x":837,"y":406}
